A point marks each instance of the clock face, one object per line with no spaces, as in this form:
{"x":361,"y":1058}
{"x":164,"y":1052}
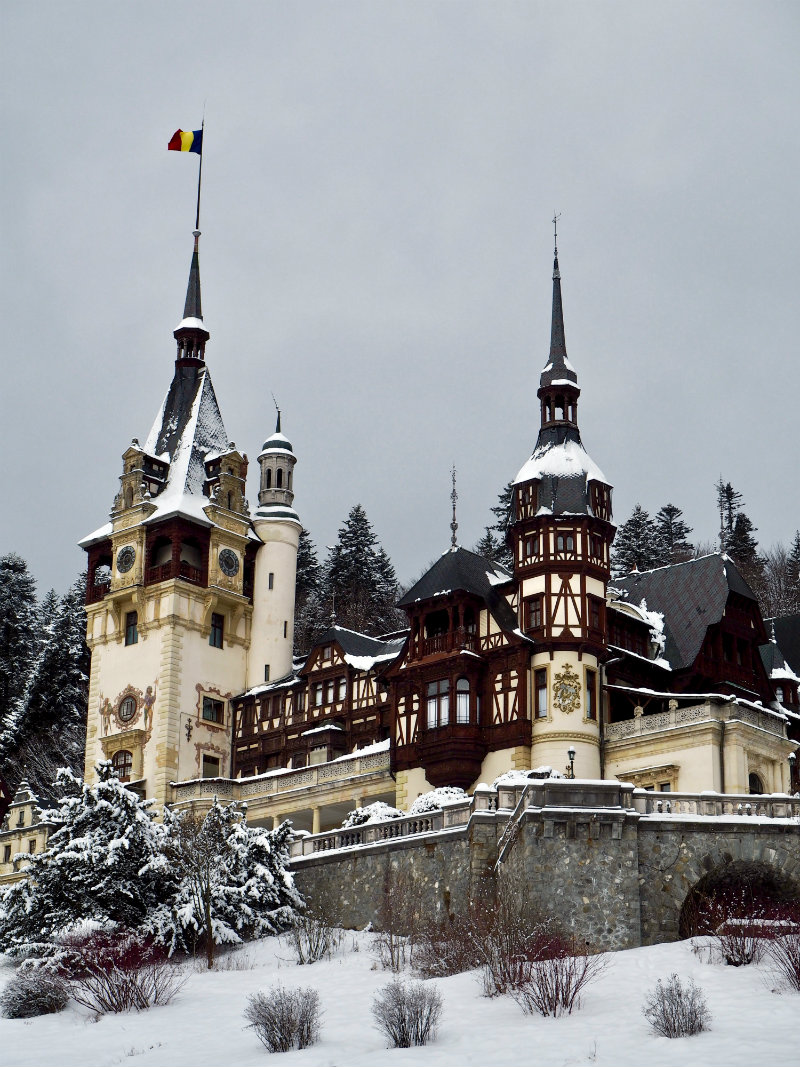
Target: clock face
{"x":228,"y":562}
{"x":127,"y":709}
{"x":126,"y":558}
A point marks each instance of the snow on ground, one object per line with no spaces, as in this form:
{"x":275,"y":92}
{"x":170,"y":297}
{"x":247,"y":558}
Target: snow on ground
{"x":751,"y":1025}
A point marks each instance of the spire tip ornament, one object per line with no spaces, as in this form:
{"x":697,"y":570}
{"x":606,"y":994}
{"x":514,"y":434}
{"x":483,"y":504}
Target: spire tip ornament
{"x":454,"y":499}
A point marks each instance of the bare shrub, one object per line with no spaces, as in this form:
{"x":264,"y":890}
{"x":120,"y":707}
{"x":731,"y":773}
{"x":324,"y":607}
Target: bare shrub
{"x":284,"y":1019}
{"x":399,"y":919}
{"x":447,"y":948}
{"x":740,"y":920}
{"x":119,"y":972}
{"x":554,"y":986}
{"x":784,"y":955}
{"x":407,"y":1013}
{"x":32,"y":993}
{"x":313,"y":936}
{"x":677,"y":1010}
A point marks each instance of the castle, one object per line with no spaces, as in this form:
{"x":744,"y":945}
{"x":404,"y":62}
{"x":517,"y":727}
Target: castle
{"x":666,"y":679}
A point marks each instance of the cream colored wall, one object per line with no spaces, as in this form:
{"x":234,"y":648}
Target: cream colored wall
{"x":273,"y":607}
{"x":409,"y":785}
{"x":552,"y":736}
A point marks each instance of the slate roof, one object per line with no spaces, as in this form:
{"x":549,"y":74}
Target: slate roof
{"x":787,"y":634}
{"x":558,"y":367}
{"x":353,"y":643}
{"x":461,"y":570}
{"x":774,"y":663}
{"x":691,"y":596}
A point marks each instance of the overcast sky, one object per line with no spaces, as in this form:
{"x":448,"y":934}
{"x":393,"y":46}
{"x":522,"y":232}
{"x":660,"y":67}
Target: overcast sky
{"x":378,"y":184}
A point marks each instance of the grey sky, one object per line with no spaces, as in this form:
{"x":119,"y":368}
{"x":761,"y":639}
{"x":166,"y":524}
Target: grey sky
{"x":378,"y":185}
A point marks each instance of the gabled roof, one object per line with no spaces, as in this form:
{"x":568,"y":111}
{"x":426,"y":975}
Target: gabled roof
{"x":787,"y":634}
{"x":459,"y":570}
{"x":188,"y":427}
{"x":353,"y":643}
{"x":691,"y":596}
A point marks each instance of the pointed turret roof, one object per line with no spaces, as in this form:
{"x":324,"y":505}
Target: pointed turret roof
{"x":558,"y":367}
{"x":193,"y":305}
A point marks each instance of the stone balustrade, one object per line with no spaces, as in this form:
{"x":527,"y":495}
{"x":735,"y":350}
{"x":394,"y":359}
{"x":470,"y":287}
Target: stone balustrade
{"x":676,"y":717}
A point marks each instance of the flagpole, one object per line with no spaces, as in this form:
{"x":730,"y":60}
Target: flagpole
{"x":199,"y":181}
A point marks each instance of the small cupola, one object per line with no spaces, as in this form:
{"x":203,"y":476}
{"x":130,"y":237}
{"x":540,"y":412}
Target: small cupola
{"x":277,"y":460}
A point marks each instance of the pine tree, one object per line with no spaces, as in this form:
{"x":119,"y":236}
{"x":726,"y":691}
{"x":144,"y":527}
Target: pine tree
{"x":360,"y":582}
{"x":729,"y":504}
{"x":636,"y":546}
{"x":742,"y":547}
{"x":233,"y":884}
{"x":504,"y":516}
{"x":310,"y":617}
{"x":308,"y":570}
{"x":490,"y":547}
{"x":672,"y":534}
{"x":48,"y":730}
{"x":18,"y":632}
{"x":793,"y":577}
{"x":96,"y":867}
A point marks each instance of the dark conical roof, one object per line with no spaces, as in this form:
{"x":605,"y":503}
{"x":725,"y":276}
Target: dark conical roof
{"x":558,"y":366}
{"x":193,"y":308}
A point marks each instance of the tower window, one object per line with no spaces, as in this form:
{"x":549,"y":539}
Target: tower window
{"x":285,"y":628}
{"x":540,"y":693}
{"x":594,"y":613}
{"x":533,"y":611}
{"x":122,"y":762}
{"x":269,"y":479}
{"x":288,"y":479}
{"x":213,"y":711}
{"x":342,"y":689}
{"x":217,"y":628}
{"x":279,"y":477}
{"x":462,"y":700}
{"x":131,"y":628}
{"x":271,"y":580}
{"x":266,"y":672}
{"x":591,"y":695}
{"x":318,"y":695}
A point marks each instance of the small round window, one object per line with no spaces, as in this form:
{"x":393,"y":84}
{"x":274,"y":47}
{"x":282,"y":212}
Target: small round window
{"x":127,"y":709}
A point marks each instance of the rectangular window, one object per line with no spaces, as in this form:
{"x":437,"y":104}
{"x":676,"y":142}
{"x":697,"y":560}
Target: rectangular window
{"x":299,"y":759}
{"x":540,"y":693}
{"x":213,"y":710}
{"x":21,"y":819}
{"x":665,"y":787}
{"x":271,"y":580}
{"x":6,"y":853}
{"x":594,"y":613}
{"x":210,"y":766}
{"x":131,"y":628}
{"x":32,"y":846}
{"x":301,"y":700}
{"x":266,"y":672}
{"x":329,"y":691}
{"x":285,"y":628}
{"x":217,"y":628}
{"x":591,"y":695}
{"x":342,"y":689}
{"x":533,"y":608}
{"x":462,"y":701}
{"x":318,"y":695}
{"x":438,"y":704}
{"x":318,"y":755}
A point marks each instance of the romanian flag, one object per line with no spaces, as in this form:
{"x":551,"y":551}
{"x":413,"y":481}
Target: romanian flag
{"x":187,"y":141}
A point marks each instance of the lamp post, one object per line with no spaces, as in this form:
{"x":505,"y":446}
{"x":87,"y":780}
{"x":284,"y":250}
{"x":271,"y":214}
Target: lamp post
{"x":571,"y":758}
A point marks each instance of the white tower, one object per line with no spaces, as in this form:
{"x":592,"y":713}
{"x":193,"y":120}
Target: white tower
{"x":277,"y":524}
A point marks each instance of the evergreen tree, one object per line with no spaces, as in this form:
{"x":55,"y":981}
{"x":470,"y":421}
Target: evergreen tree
{"x":360,"y":581}
{"x":793,"y":577}
{"x":48,"y":729}
{"x":672,"y":534}
{"x":233,"y":884}
{"x":729,"y":504}
{"x":310,"y":617}
{"x":742,"y":547}
{"x":308,"y":570}
{"x":95,"y":867}
{"x":636,"y":546}
{"x":18,"y":632}
{"x":491,"y":548}
{"x":504,"y":515}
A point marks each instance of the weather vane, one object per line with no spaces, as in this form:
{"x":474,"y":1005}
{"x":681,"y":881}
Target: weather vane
{"x":556,"y":217}
{"x":454,"y":498}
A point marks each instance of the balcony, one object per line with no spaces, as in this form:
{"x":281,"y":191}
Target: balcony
{"x":165,"y":571}
{"x":95,"y":593}
{"x":448,"y":642}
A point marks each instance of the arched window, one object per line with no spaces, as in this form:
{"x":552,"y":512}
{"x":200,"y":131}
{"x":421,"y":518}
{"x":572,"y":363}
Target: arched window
{"x":269,"y":478}
{"x":279,"y":478}
{"x":288,"y":479}
{"x":754,"y":783}
{"x":560,"y":407}
{"x":462,"y":700}
{"x":122,"y":762}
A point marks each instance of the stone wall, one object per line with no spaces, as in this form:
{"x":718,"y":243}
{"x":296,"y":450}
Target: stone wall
{"x":611,"y":876}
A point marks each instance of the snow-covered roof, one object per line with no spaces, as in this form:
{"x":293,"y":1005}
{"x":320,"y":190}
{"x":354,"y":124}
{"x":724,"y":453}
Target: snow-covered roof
{"x":568,"y":459}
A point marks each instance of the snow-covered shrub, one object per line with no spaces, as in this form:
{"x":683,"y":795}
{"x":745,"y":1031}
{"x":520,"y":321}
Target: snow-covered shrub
{"x":120,"y":971}
{"x":377,"y":812}
{"x":232,"y":882}
{"x":676,"y":1010}
{"x":31,"y":993}
{"x":433,"y":800}
{"x":284,"y":1019}
{"x":784,"y":955}
{"x":407,"y":1013}
{"x":553,"y":986}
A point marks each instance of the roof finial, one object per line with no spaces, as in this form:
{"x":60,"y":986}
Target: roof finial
{"x":333,"y":609}
{"x":454,"y":498}
{"x":556,"y":217}
{"x":278,"y":423}
{"x":772,"y":636}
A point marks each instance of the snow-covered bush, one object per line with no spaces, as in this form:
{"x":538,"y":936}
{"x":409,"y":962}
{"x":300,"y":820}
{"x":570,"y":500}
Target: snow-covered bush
{"x":232,"y":882}
{"x":377,"y":812}
{"x":433,"y":800}
{"x":407,"y":1013}
{"x":676,"y":1010}
{"x":284,"y":1019}
{"x":553,"y":986}
{"x":31,"y":993}
{"x":784,"y":954}
{"x":120,"y":971}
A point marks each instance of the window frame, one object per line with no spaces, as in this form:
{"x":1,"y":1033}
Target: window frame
{"x":463,"y":693}
{"x":541,"y":709}
{"x":217,"y":632}
{"x":216,"y":707}
{"x":122,"y":763}
{"x":131,"y":628}
{"x":437,"y":703}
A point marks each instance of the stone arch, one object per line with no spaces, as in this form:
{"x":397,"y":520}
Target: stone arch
{"x":740,"y":889}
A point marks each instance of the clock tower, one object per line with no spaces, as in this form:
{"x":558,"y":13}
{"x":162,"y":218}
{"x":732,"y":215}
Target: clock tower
{"x":174,"y":585}
{"x":562,"y":534}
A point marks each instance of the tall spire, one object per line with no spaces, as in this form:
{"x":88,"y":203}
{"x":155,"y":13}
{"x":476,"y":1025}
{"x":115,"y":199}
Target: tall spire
{"x":558,"y":366}
{"x":191,"y":333}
